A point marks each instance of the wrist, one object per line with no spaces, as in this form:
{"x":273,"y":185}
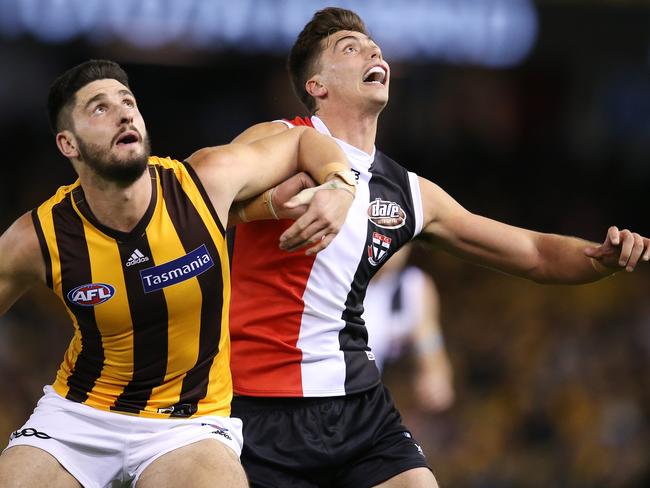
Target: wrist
{"x":600,"y":268}
{"x":336,"y":183}
{"x":259,"y":208}
{"x":328,"y":171}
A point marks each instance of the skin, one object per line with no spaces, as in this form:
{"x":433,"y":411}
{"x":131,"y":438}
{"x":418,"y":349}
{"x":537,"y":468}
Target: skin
{"x":350,"y":109}
{"x":104,"y":111}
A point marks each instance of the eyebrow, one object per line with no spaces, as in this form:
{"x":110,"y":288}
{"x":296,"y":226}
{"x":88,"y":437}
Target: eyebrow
{"x":99,"y":96}
{"x":349,"y":36}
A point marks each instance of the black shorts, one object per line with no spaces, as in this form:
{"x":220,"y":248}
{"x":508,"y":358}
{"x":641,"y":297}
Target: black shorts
{"x":354,"y":441}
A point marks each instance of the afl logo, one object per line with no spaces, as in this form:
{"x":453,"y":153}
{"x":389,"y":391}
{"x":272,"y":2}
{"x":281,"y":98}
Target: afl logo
{"x":386,"y":214}
{"x":91,"y":294}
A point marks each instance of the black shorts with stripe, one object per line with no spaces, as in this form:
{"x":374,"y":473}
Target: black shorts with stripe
{"x":354,"y":441}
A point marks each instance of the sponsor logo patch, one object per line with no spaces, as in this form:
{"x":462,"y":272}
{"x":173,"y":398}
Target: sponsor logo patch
{"x":181,"y":269}
{"x":136,"y":258}
{"x":378,"y":250}
{"x":386,"y":214}
{"x":91,"y":294}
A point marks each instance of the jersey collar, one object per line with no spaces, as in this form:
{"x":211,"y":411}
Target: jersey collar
{"x":359,"y":156}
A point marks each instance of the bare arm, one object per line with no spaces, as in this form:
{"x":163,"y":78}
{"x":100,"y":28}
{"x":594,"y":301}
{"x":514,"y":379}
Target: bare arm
{"x":544,"y":258}
{"x":239,"y":171}
{"x":21,"y":261}
{"x":318,"y":215}
{"x":433,"y":387}
{"x":260,"y":131}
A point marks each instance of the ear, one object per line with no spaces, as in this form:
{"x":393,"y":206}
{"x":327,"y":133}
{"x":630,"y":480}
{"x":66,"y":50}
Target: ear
{"x":67,"y":144}
{"x":315,"y":87}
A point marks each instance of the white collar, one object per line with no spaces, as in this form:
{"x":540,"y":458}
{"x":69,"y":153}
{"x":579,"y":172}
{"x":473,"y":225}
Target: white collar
{"x":351,"y":151}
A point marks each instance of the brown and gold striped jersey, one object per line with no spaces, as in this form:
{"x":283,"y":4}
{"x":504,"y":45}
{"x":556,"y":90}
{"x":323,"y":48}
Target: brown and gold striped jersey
{"x":149,"y":307}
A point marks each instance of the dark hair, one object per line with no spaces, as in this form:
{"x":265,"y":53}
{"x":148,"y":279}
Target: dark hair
{"x":307,"y":49}
{"x":65,"y":87}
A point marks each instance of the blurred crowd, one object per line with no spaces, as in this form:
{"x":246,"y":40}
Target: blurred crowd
{"x":552,"y":384}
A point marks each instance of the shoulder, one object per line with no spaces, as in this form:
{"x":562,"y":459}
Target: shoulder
{"x":20,"y":249}
{"x":260,"y":131}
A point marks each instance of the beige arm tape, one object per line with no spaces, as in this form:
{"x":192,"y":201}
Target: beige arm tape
{"x":329,"y":168}
{"x":305,"y":196}
{"x":259,"y":208}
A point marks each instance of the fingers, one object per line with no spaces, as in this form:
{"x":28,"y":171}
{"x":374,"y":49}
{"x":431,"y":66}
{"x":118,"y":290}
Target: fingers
{"x":613,"y":235}
{"x":302,"y":198}
{"x":321,"y":222}
{"x":626,"y":239}
{"x":646,"y":254}
{"x":322,"y":244}
{"x":303,"y":232}
{"x":637,"y":247}
{"x":622,"y":248}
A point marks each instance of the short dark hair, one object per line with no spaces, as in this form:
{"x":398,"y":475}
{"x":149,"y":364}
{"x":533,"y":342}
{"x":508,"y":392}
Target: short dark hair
{"x":307,"y":49}
{"x":65,"y":87}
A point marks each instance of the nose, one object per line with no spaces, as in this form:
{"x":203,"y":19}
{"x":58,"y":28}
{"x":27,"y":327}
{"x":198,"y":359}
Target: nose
{"x":126,"y":115}
{"x":375,"y":52}
{"x":126,"y":118}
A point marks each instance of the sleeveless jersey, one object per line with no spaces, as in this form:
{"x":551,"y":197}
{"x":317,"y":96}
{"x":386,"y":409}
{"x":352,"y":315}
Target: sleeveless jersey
{"x":296,"y":325}
{"x":149,"y":307}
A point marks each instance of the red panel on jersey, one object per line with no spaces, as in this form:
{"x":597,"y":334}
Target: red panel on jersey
{"x":266,"y":310}
{"x":301,"y":121}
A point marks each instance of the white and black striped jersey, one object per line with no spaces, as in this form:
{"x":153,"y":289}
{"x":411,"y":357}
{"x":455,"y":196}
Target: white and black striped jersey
{"x":295,"y":320}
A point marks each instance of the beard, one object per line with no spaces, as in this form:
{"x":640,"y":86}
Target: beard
{"x":122,"y":171}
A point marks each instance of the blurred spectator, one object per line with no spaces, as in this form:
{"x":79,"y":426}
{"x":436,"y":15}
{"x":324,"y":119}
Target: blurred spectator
{"x":401,"y":312}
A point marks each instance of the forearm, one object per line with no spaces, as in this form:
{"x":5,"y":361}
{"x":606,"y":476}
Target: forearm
{"x":320,"y":156}
{"x":562,"y":260}
{"x":257,"y":208}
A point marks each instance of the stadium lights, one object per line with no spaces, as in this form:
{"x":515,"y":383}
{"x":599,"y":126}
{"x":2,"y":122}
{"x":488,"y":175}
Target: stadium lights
{"x":497,"y":33}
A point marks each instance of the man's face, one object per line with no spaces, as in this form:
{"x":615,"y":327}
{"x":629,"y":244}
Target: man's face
{"x":110,"y":132}
{"x":353,"y":71}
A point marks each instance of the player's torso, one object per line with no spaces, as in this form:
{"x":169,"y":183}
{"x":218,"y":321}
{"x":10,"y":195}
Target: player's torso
{"x":296,"y":320}
{"x":149,"y":307}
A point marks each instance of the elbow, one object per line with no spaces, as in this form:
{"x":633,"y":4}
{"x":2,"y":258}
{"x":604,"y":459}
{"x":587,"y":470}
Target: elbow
{"x":214,"y":157}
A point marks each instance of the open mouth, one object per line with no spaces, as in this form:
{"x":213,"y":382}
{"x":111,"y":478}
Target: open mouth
{"x":128,"y":137}
{"x":375,"y":75}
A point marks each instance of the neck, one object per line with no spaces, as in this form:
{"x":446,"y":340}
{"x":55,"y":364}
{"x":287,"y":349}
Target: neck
{"x":359,"y":129}
{"x":115,"y":206}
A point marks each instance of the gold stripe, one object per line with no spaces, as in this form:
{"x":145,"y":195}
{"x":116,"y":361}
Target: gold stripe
{"x":183,"y":309}
{"x":113,"y":319}
{"x":220,"y":381}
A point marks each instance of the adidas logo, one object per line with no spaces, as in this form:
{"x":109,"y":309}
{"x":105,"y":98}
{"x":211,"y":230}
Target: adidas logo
{"x":136,"y":258}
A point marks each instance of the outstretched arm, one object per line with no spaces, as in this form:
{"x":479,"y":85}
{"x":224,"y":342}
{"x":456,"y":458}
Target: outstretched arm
{"x":545,"y":258}
{"x":21,"y":261}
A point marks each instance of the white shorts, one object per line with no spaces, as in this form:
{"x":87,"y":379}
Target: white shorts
{"x":100,"y":448}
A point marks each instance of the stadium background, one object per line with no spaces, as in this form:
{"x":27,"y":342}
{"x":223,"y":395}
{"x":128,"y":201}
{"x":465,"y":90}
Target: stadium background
{"x":537,"y":114}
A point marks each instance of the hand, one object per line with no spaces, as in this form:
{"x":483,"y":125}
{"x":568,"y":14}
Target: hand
{"x":321,"y":222}
{"x":288,"y":189}
{"x":434,"y":390}
{"x":621,"y":249}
